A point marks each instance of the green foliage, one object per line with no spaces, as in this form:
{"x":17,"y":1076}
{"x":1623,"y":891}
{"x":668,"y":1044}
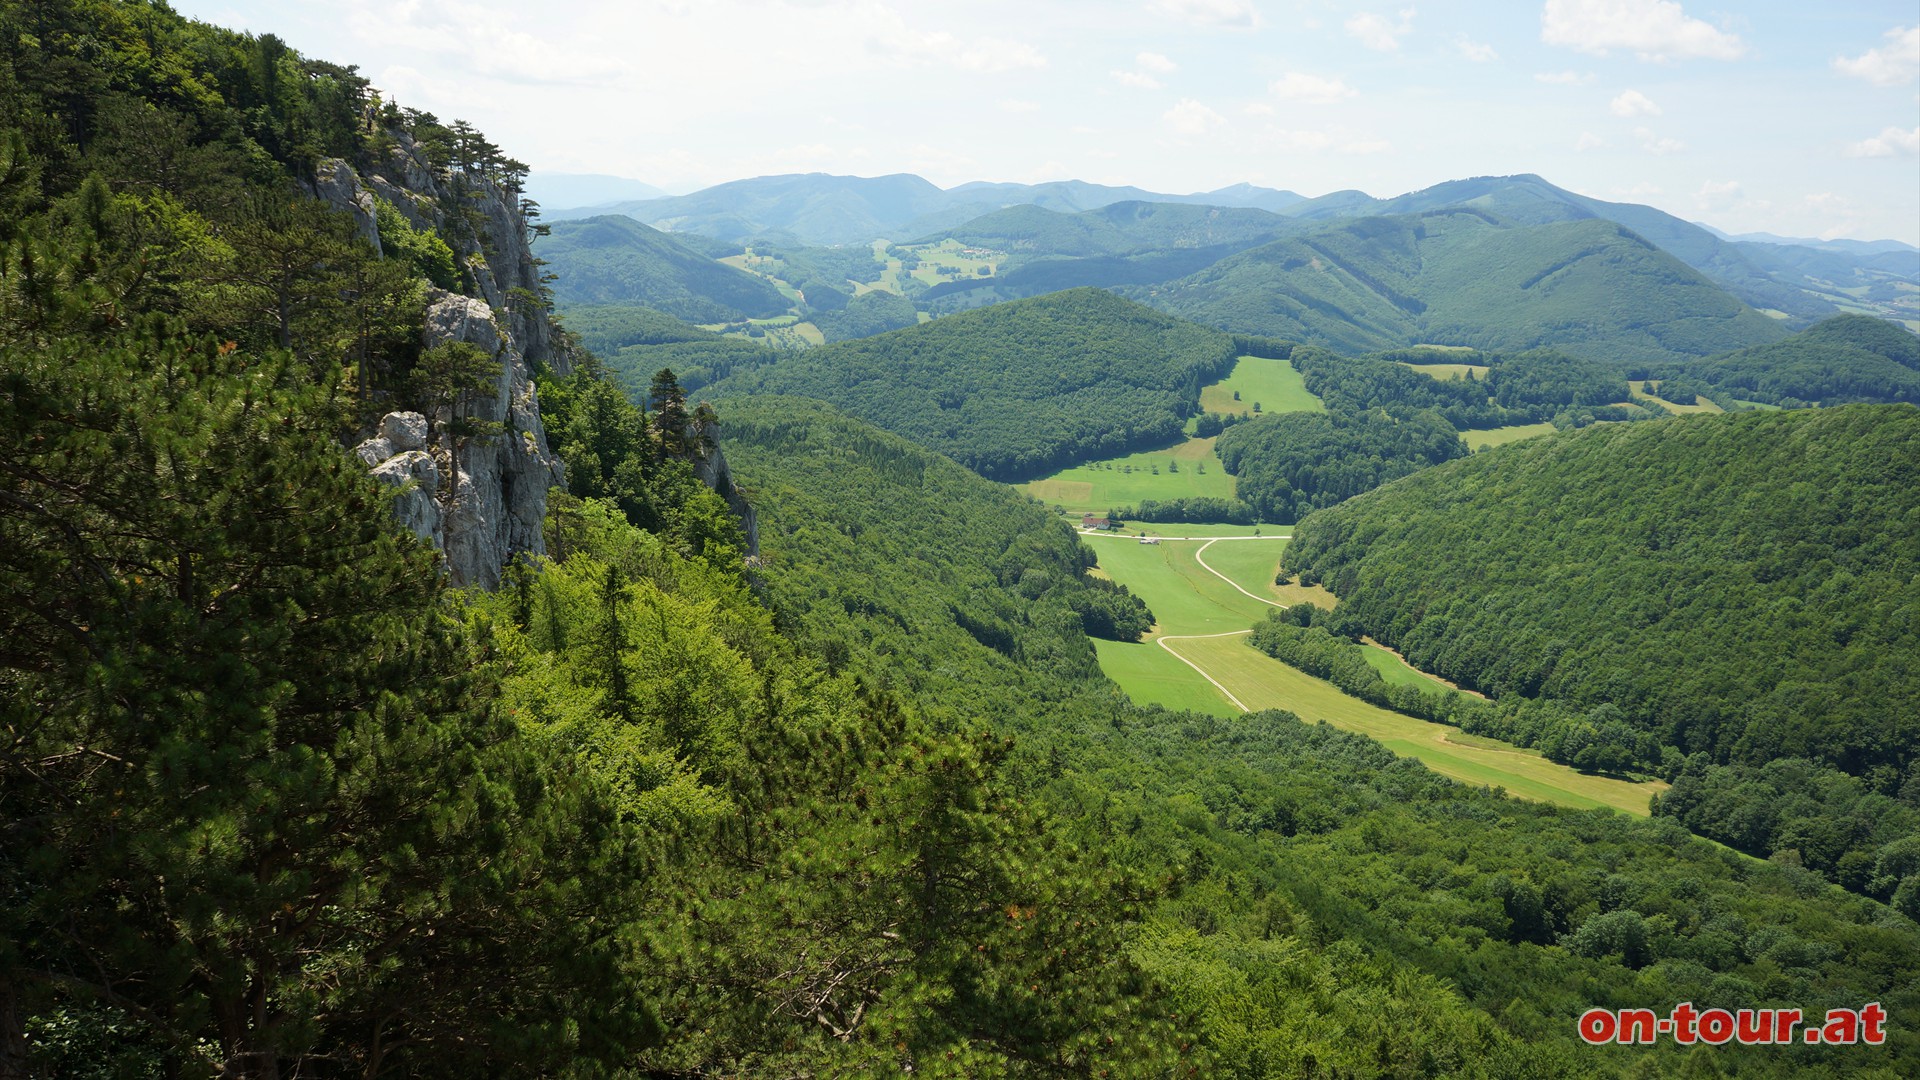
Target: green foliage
{"x":1326,"y":902}
{"x":259,"y":804}
{"x":1461,"y":276}
{"x":1844,"y":359}
{"x":832,"y":886}
{"x":868,"y":314}
{"x":617,"y":260}
{"x":1290,"y":464}
{"x":421,"y":250}
{"x":1732,"y":587}
{"x":1016,"y":390}
{"x":1199,"y":510}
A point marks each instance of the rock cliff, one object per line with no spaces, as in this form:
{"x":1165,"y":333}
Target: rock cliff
{"x":480,"y":499}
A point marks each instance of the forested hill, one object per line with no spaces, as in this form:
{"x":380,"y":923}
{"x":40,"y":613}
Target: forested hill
{"x":1740,"y":588}
{"x":1017,"y":389}
{"x":617,"y":260}
{"x":1294,"y":884}
{"x":1119,"y":229}
{"x":1846,"y":358}
{"x":1463,"y":277}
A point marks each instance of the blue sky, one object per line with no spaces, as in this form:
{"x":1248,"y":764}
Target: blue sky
{"x":1794,"y":118}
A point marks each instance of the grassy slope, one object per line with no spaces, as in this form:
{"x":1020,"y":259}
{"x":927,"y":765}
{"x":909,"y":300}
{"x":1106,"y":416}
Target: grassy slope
{"x":1189,"y":600}
{"x":1272,"y":383}
{"x":1097,"y":487}
{"x":1265,"y":683}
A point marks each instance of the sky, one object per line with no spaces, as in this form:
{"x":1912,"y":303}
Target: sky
{"x":1800,"y":119}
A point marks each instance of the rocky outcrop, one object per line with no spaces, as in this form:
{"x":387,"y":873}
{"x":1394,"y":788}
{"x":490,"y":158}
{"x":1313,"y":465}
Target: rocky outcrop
{"x":499,"y":497}
{"x":481,"y":498}
{"x":710,"y":466}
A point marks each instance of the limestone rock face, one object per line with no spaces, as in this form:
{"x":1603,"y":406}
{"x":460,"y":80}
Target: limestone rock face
{"x":416,"y":506}
{"x":498,"y":497}
{"x":481,"y":499}
{"x":710,"y":466}
{"x":336,"y":184}
{"x":404,"y":430}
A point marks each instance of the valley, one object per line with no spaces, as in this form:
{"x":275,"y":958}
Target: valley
{"x":816,"y":625}
{"x":1202,"y":625}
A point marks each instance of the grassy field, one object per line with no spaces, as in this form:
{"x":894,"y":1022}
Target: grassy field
{"x":1262,"y":682}
{"x":1649,"y":391}
{"x":952,"y":255}
{"x":1185,"y":470}
{"x":1187,"y":599}
{"x":1450,"y":371}
{"x":1398,"y":672}
{"x":1180,"y":471}
{"x":1151,"y":675}
{"x":1272,"y":383}
{"x":1481,"y":438}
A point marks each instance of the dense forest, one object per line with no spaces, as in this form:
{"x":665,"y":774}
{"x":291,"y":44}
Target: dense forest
{"x":1019,"y":389}
{"x":633,"y":343}
{"x":276,"y":799}
{"x":1734,"y":586}
{"x":1314,"y":895}
{"x":1846,"y":358}
{"x":1291,"y":464}
{"x":1460,"y":276}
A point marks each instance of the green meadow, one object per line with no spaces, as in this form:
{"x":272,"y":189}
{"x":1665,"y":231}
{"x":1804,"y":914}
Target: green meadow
{"x":1481,"y":438}
{"x":1450,"y":371}
{"x":1273,"y":384}
{"x":1261,"y":682}
{"x":1186,"y":469}
{"x":1187,"y":600}
{"x":1398,"y":672}
{"x":1180,"y":471}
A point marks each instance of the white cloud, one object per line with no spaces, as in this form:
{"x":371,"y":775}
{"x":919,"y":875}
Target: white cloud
{"x":1153,"y":61}
{"x":1564,"y":78}
{"x":1190,"y":117}
{"x":1380,"y":33}
{"x":1889,"y":143}
{"x":1311,"y":89}
{"x":1258,"y":108}
{"x":986,"y":55}
{"x":1634,"y":103}
{"x":1477,"y":51}
{"x":1894,"y":64}
{"x":1135,"y":79}
{"x":1653,"y":29}
{"x":1658,"y":145}
{"x":1588,"y":141}
{"x":991,"y":55}
{"x":1718,"y":196}
{"x":1233,"y":14}
{"x":1017,"y":105}
{"x":480,"y":41}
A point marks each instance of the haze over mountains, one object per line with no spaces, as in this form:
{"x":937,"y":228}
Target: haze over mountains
{"x":817,"y":208}
{"x":1801,"y":280}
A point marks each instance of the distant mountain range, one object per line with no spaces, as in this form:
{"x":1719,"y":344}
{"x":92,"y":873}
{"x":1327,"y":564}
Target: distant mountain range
{"x":617,"y":260}
{"x":1803,"y":280}
{"x":820,"y":209}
